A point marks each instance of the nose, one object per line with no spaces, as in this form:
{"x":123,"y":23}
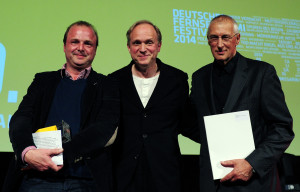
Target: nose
{"x":80,"y":46}
{"x":220,"y":42}
{"x":143,"y":47}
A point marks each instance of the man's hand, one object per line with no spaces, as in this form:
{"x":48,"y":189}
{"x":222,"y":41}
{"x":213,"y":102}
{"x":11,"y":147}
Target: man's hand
{"x":242,"y":170}
{"x":40,"y":159}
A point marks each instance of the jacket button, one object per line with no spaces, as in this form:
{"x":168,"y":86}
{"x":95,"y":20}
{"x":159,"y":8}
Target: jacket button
{"x":145,"y":114}
{"x":144,"y":136}
{"x":78,"y":159}
{"x":136,"y":157}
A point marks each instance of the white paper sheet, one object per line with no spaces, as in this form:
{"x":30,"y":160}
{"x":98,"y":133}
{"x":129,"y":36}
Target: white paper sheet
{"x":49,"y":140}
{"x":229,"y":136}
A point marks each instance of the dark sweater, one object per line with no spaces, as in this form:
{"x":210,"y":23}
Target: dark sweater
{"x":66,"y":106}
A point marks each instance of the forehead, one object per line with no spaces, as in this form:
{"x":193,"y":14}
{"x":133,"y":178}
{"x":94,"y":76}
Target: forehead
{"x":142,"y":31}
{"x":220,"y":28}
{"x":81,"y":32}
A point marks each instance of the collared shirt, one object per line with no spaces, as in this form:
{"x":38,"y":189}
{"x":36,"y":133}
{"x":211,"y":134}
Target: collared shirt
{"x":222,"y":77}
{"x":82,"y":75}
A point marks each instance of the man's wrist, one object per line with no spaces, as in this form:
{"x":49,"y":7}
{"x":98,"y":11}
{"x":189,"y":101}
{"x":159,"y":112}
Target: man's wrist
{"x":25,"y":151}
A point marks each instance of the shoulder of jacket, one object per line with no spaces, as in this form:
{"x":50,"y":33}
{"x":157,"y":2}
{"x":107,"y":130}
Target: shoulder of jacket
{"x":120,"y":72}
{"x":203,"y":69}
{"x":48,"y":75}
{"x":173,"y":70}
{"x":257,"y":64}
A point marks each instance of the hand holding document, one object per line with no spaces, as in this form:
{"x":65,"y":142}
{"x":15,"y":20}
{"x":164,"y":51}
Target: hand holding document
{"x":49,"y":138}
{"x":229,"y":136}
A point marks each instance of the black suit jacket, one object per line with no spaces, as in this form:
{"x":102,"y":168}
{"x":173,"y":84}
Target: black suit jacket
{"x":153,"y":129}
{"x":256,"y":88}
{"x":99,"y":119}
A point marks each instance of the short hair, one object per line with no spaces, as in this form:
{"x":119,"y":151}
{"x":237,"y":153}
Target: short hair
{"x":159,"y":36}
{"x":221,"y":18}
{"x":81,"y":23}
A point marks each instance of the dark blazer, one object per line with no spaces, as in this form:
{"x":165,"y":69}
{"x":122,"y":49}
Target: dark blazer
{"x":153,"y":129}
{"x":256,"y":88}
{"x":99,"y":119}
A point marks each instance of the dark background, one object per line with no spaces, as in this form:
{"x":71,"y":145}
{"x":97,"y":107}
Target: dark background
{"x":289,"y":168}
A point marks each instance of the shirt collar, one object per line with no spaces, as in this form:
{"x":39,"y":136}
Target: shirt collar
{"x":229,"y":67}
{"x":82,"y":75}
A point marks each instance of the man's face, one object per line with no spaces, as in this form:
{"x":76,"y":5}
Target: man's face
{"x":223,"y":50}
{"x":80,"y":48}
{"x":144,"y":46}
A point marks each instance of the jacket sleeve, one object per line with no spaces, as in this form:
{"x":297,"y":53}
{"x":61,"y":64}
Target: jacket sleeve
{"x":188,"y":125}
{"x":93,"y":138}
{"x":21,"y":124}
{"x":278,"y":120}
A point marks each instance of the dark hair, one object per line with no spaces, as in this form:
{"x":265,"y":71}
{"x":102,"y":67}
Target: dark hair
{"x":80,"y":23}
{"x":159,"y":36}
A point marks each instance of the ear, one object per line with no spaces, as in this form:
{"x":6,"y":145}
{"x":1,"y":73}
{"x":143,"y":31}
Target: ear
{"x":128,"y":47}
{"x":238,"y":38}
{"x":159,"y":46}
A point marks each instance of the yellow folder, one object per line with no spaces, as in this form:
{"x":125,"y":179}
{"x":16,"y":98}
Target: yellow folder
{"x":51,"y":128}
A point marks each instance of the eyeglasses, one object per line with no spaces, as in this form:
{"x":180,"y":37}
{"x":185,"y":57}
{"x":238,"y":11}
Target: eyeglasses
{"x":225,"y":38}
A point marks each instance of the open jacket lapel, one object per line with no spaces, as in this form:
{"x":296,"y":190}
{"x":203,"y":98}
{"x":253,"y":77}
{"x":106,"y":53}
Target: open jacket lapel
{"x":239,"y":81}
{"x":88,"y":96}
{"x":50,"y":93}
{"x":211,"y":92}
{"x":161,"y":86}
{"x":129,"y":89}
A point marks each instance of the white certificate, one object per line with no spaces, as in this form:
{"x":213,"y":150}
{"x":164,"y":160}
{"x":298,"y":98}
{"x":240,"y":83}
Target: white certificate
{"x":229,"y":136}
{"x":49,"y":140}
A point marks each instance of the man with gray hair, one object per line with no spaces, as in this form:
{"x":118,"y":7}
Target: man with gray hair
{"x":234,"y":83}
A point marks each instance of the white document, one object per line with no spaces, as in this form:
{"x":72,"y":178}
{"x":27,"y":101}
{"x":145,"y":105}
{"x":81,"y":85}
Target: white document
{"x":49,"y":140}
{"x":229,"y":136}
